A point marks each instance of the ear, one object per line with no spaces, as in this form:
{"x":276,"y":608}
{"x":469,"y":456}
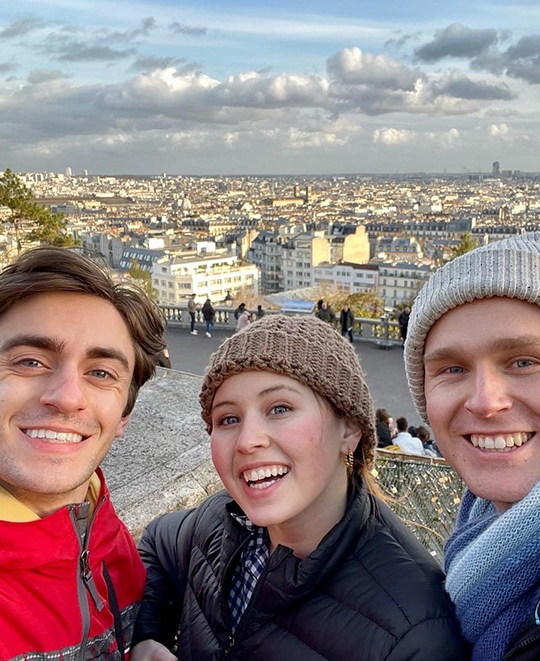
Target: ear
{"x":122,"y":426}
{"x":352,"y":433}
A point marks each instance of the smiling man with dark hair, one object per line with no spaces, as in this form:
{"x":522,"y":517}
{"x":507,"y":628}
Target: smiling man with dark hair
{"x":75,"y":347}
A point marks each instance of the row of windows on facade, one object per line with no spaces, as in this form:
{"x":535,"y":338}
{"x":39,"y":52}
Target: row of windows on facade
{"x":203,"y":283}
{"x":397,"y":283}
{"x":346,"y":274}
{"x":171,"y":297}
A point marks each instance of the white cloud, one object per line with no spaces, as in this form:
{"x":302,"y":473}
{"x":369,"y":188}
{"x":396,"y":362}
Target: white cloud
{"x":498,"y":130}
{"x":446,"y":139}
{"x":391,"y":136}
{"x":302,"y":139}
{"x":352,"y":66}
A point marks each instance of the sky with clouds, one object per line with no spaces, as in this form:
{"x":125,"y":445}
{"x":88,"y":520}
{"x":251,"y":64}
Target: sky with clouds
{"x":318,"y":87}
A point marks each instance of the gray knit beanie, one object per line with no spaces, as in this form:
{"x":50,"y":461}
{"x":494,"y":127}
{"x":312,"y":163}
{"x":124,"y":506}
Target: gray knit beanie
{"x":510,"y":268}
{"x":308,"y":350}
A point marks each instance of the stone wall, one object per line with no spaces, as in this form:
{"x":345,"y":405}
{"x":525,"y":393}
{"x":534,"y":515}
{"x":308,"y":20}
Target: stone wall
{"x":162,"y":463}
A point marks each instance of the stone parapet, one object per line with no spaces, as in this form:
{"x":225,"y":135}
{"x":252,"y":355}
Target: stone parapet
{"x":380,"y":331}
{"x":162,"y":463}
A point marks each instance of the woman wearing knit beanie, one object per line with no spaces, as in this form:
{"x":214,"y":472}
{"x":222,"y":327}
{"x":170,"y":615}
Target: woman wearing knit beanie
{"x":298,"y":560}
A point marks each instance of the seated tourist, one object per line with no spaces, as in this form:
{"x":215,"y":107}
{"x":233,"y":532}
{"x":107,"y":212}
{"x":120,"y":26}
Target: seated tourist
{"x":406,"y":441}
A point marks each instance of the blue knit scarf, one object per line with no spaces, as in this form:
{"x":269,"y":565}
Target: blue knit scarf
{"x":492,"y":563}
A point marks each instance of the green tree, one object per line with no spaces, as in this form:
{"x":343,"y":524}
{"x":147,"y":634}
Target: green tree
{"x":50,"y":229}
{"x":466,"y":244}
{"x":367,"y":304}
{"x":44,"y":226}
{"x":143,"y":278}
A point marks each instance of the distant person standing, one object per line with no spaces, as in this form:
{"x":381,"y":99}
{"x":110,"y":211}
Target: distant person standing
{"x":208,"y":314}
{"x":260,"y":312}
{"x":346,"y":320}
{"x":239,"y":311}
{"x":243,"y":319}
{"x":403,"y":321}
{"x":192,"y":309}
{"x":326,"y":313}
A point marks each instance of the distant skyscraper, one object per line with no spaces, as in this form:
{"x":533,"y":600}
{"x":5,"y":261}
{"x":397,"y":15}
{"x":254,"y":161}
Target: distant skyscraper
{"x":496,"y":169}
{"x":68,"y":172}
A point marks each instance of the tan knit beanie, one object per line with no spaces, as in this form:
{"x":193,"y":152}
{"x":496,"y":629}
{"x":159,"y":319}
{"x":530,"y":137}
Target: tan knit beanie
{"x":510,"y":268}
{"x":306,"y":349}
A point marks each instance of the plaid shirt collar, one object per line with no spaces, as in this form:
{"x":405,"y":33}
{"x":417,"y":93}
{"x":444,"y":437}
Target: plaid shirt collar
{"x":249,"y":569}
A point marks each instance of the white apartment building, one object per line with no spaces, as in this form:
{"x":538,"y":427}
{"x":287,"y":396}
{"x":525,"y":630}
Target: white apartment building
{"x":400,"y":283}
{"x":347,"y":277}
{"x":299,"y":255}
{"x":109,"y":246}
{"x":265,"y":252}
{"x":212,"y":276}
{"x":303,"y":252}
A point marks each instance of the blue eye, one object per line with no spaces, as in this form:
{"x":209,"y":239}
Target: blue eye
{"x":525,"y":362}
{"x":280,"y":408}
{"x":30,"y":362}
{"x":101,"y":374}
{"x":229,"y":420}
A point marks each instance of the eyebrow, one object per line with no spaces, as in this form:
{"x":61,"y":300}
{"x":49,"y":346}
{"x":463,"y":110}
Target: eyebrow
{"x":263,"y":393}
{"x":36,"y":341}
{"x":521,"y":343}
{"x":56,"y":345}
{"x":109,"y":353}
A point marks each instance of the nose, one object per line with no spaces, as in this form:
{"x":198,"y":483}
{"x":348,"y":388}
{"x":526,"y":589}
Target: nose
{"x":252,"y":434}
{"x":489,"y":394}
{"x":64,"y":390}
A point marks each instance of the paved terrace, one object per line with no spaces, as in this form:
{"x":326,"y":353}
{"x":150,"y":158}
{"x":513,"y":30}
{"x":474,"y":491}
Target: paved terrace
{"x":163,"y":462}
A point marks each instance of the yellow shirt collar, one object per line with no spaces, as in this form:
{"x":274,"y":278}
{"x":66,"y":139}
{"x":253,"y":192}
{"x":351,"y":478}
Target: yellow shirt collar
{"x":14,"y":511}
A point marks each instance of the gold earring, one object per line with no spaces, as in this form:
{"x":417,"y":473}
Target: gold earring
{"x":349,"y":460}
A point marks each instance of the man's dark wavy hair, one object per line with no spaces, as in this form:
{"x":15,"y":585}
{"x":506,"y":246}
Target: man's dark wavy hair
{"x":50,"y":269}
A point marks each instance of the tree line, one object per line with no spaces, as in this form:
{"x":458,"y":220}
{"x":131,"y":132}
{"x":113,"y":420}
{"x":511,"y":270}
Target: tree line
{"x":31,"y":222}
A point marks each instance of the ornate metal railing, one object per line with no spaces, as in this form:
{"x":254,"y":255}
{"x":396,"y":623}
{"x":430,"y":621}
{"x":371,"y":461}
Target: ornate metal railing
{"x":424,"y":492}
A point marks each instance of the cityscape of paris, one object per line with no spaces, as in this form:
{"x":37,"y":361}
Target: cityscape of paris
{"x":240,"y":150}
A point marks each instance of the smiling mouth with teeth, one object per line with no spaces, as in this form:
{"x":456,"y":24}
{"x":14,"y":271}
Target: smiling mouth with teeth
{"x":53,"y":436}
{"x":264,"y":477}
{"x":500,"y":442}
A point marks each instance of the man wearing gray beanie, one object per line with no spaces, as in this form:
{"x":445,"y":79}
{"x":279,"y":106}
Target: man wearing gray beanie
{"x":472,"y":358}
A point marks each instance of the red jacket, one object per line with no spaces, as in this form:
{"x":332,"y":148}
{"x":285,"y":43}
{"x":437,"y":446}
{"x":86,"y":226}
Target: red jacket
{"x":61,"y":584}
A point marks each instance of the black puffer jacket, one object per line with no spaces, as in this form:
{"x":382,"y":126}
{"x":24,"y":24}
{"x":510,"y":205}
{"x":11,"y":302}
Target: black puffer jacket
{"x":526,"y":645}
{"x":368,"y":592}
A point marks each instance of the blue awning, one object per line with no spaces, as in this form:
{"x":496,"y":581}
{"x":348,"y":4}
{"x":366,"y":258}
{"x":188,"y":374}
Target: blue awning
{"x":297,"y":306}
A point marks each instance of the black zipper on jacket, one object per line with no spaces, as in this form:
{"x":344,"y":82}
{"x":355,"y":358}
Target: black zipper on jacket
{"x":235,"y":637}
{"x":85,"y":579}
{"x":236,"y":557}
{"x":522,"y":645}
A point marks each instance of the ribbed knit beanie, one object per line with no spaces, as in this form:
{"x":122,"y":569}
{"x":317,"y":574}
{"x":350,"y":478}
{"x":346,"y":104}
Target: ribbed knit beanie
{"x":510,"y":268}
{"x":303,"y":348}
